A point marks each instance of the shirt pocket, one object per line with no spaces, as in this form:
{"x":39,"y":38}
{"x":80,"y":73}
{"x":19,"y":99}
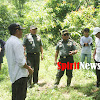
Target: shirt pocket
{"x":60,"y":47}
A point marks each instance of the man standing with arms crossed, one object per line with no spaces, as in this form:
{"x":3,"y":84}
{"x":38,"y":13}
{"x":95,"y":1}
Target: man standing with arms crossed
{"x":17,"y":67}
{"x":33,"y":45}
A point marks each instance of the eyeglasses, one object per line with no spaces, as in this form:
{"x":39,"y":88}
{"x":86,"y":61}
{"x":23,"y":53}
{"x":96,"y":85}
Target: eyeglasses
{"x":66,"y":34}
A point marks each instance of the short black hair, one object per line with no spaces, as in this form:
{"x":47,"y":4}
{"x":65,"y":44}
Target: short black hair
{"x":12,"y":32}
{"x":86,"y":30}
{"x":13,"y":27}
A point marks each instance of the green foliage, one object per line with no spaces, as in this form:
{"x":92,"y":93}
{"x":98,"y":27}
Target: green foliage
{"x":49,"y":16}
{"x":4,"y":20}
{"x":60,"y":7}
{"x":76,"y":21}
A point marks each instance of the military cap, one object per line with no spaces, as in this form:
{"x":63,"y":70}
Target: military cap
{"x":65,"y":31}
{"x":33,"y":27}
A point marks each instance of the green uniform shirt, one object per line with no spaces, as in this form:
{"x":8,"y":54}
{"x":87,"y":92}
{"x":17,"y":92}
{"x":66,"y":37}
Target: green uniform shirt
{"x":65,"y":46}
{"x":32,"y":43}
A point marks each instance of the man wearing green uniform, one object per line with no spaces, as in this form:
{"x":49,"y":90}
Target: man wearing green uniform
{"x":66,"y":49}
{"x":33,"y":46}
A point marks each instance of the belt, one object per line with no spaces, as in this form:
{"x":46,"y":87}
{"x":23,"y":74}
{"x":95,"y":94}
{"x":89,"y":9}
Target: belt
{"x":33,"y":53}
{"x":64,"y":56}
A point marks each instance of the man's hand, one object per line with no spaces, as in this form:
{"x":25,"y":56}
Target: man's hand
{"x":42,"y":57}
{"x":86,"y":44}
{"x":55,"y":63}
{"x":94,"y":54}
{"x":71,"y":53}
{"x":30,"y":70}
{"x":93,"y":57}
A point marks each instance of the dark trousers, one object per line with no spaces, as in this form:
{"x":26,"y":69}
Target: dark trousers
{"x":60,"y":73}
{"x":19,"y":89}
{"x":33,"y":60}
{"x":97,"y":74}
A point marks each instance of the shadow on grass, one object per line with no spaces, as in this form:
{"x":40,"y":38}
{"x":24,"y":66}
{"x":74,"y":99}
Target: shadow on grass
{"x":89,"y":90}
{"x":86,"y":89}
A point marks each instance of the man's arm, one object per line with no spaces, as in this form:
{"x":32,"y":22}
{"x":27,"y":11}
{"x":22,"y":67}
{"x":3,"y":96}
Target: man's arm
{"x":94,"y":54}
{"x":56,"y":56}
{"x":2,"y":46}
{"x":30,"y":70}
{"x":73,"y":52}
{"x":81,"y":42}
{"x":41,"y":49}
{"x":24,"y":49}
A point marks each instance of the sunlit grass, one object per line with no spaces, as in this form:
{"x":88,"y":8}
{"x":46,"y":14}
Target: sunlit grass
{"x":82,"y":86}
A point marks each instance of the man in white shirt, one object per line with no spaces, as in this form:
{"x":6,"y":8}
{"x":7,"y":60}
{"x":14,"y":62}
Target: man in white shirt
{"x":96,"y":55}
{"x":86,"y":42}
{"x":18,"y":70}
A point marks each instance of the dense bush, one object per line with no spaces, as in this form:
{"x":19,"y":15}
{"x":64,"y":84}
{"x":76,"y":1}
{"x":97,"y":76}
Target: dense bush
{"x":76,"y":21}
{"x":50,"y":16}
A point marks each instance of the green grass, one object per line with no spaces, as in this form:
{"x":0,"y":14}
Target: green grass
{"x":82,"y":86}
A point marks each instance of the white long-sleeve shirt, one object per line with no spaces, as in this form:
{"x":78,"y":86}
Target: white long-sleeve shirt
{"x":15,"y":58}
{"x":86,"y":49}
{"x":97,"y":55}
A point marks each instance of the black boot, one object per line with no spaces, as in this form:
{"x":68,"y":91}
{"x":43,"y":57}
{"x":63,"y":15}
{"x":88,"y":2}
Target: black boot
{"x":56,"y":82}
{"x":68,"y":81}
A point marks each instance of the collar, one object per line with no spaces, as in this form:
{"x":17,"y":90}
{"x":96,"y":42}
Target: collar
{"x":33,"y":35}
{"x":15,"y":37}
{"x":64,"y":41}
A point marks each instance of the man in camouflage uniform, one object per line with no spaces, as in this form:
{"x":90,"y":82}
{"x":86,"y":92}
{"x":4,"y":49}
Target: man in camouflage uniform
{"x":33,"y":45}
{"x":66,"y":49}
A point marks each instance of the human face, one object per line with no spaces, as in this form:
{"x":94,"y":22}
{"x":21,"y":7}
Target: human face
{"x":98,"y":35}
{"x":65,"y":36}
{"x":33,"y":31}
{"x":19,"y":33}
{"x":86,"y":34}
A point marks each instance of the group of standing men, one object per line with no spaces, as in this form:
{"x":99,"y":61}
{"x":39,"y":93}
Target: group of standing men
{"x":86,"y":43}
{"x":23,"y":68}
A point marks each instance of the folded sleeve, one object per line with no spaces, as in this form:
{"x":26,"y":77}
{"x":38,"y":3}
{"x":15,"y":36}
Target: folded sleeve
{"x":57,"y":47}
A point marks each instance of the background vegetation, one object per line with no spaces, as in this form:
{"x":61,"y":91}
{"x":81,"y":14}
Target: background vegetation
{"x":50,"y":16}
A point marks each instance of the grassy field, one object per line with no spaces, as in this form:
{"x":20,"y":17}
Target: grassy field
{"x":82,"y":86}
